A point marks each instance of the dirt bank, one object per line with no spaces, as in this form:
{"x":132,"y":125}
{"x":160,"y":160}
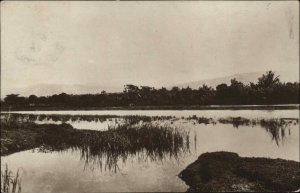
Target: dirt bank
{"x":20,"y":137}
{"x":226,"y":171}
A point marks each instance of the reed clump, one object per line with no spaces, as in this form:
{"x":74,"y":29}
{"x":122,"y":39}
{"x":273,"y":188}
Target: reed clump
{"x":276,"y":127}
{"x":137,"y":135}
{"x":153,"y":141}
{"x":235,"y":121}
{"x":130,"y":119}
{"x":10,"y":183}
{"x":200,"y":120}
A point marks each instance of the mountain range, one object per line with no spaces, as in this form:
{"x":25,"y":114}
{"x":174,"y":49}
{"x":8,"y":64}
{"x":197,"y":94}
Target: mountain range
{"x":245,"y":78}
{"x":50,"y":89}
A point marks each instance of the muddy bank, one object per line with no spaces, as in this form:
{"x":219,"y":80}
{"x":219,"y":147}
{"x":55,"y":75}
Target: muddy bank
{"x":19,"y":137}
{"x":226,"y":171}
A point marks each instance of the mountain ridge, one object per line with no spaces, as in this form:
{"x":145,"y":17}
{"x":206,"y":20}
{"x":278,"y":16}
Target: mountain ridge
{"x":245,"y":78}
{"x":44,"y":89}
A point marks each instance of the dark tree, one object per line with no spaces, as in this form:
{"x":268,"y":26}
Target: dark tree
{"x":267,"y":90}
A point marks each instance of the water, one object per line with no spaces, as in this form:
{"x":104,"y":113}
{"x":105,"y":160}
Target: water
{"x":179,"y":113}
{"x":91,"y":125}
{"x":68,"y":171}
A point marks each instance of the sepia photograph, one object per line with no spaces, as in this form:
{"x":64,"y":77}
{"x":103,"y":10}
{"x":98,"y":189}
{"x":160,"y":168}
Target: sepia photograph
{"x":149,"y":96}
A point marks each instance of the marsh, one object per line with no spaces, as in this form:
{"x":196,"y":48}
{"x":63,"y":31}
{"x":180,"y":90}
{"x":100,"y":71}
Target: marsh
{"x":141,"y":150}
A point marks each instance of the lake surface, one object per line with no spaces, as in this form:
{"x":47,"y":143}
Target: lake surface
{"x":69,"y":171}
{"x":180,"y":113}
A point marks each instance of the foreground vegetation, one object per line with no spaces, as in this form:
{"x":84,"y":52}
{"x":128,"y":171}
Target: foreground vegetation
{"x":116,"y":143}
{"x":277,"y":128}
{"x":267,"y":90}
{"x":225,"y":171}
{"x":143,"y":137}
{"x":10,"y":183}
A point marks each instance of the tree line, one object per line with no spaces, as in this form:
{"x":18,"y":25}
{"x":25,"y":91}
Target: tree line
{"x":268,"y":90}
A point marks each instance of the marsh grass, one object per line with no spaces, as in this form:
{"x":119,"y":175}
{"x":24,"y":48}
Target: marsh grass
{"x":236,"y":121}
{"x":137,"y":135}
{"x":277,"y":128}
{"x":10,"y":183}
{"x":146,"y":136}
{"x":273,"y":126}
{"x":130,"y":119}
{"x":145,"y":139}
{"x":200,"y":120}
{"x":108,"y":147}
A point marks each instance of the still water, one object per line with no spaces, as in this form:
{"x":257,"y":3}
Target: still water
{"x":68,"y":171}
{"x":179,"y":113}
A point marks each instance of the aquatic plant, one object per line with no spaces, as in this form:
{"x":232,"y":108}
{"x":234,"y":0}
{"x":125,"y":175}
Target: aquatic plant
{"x":137,"y":135}
{"x":9,"y":182}
{"x":130,"y":119}
{"x":150,"y":137}
{"x":276,"y":127}
{"x":235,"y":121}
{"x":200,"y":120}
{"x":152,"y":141}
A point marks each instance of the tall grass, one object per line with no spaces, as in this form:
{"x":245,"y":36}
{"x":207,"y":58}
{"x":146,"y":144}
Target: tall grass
{"x":9,"y":182}
{"x":130,"y":119}
{"x":134,"y":119}
{"x":147,"y":139}
{"x":276,"y":127}
{"x":201,"y":120}
{"x":137,"y":135}
{"x":108,"y":147}
{"x":236,"y":121}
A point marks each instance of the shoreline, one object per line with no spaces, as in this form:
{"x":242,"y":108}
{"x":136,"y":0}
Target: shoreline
{"x":16,"y":138}
{"x":211,"y":107}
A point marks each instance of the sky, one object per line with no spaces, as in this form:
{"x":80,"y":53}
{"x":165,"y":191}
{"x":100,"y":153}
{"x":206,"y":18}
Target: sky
{"x":144,"y":43}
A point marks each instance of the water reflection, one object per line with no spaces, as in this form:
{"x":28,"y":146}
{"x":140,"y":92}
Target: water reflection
{"x":105,"y":149}
{"x":133,"y":149}
{"x":275,"y":127}
{"x":132,"y":119}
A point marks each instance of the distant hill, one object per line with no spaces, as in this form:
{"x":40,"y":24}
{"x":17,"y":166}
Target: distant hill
{"x":50,"y":89}
{"x":246,"y":78}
